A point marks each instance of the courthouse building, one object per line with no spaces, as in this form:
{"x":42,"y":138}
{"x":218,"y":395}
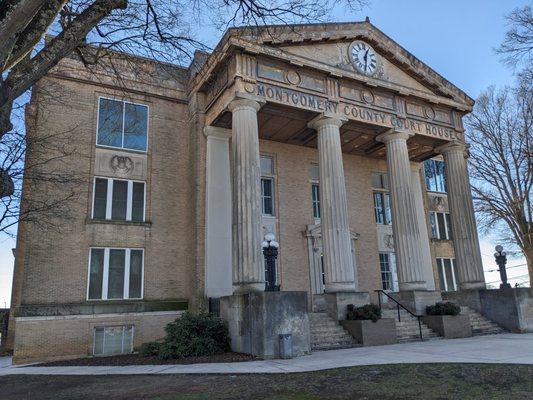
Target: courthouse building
{"x":332,"y":137}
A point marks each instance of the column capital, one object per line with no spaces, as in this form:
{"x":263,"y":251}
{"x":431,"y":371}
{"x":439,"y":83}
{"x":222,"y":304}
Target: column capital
{"x":453,"y":146}
{"x":217,"y":132}
{"x":392,"y":134}
{"x":243,"y":102}
{"x":326,"y":119}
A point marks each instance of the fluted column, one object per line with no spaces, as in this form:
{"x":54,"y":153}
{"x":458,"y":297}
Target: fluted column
{"x":405,"y":226}
{"x":248,"y":269}
{"x":336,"y":243}
{"x":464,"y":231}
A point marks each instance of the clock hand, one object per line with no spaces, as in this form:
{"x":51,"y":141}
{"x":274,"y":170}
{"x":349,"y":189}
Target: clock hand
{"x":366,"y":58}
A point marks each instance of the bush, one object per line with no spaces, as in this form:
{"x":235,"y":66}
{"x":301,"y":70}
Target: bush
{"x":443,"y":308}
{"x":191,"y":336}
{"x":366,"y":312}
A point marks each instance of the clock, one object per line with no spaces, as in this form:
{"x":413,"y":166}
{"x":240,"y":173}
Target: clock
{"x":363,"y":57}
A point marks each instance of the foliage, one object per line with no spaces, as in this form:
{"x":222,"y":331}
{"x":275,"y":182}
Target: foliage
{"x":366,"y":312}
{"x":191,"y":335}
{"x":443,"y":308}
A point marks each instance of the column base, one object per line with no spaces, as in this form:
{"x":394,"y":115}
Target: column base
{"x":337,"y":302}
{"x":339,"y":287}
{"x":472,"y":285}
{"x":256,"y":319}
{"x":410,"y":286}
{"x":248,"y":288}
{"x":418,"y":300}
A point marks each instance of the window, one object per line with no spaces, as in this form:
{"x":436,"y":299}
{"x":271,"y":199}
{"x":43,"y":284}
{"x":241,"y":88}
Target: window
{"x":115,"y":274}
{"x":447,"y":273}
{"x":435,"y":175}
{"x":440,"y":225}
{"x":122,"y":124}
{"x":382,"y":209}
{"x":267,"y":185}
{"x":386,"y":262}
{"x":111,"y":340}
{"x":315,"y":194}
{"x":118,"y":200}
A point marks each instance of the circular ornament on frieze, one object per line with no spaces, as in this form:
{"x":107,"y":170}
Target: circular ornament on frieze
{"x":429,"y":112}
{"x":248,"y":87}
{"x":367,"y":96}
{"x":293,"y":77}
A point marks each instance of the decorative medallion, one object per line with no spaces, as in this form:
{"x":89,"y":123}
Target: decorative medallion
{"x":249,"y":87}
{"x":438,"y":202}
{"x":121,"y":165}
{"x":389,"y":241}
{"x":367,"y":96}
{"x":293,"y":77}
{"x":363,"y":57}
{"x":429,"y":112}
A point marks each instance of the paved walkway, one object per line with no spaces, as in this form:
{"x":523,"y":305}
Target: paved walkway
{"x":506,"y":348}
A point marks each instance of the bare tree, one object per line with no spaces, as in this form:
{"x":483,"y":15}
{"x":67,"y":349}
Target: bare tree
{"x":159,"y":29}
{"x":501,"y":164}
{"x":517,"y":47}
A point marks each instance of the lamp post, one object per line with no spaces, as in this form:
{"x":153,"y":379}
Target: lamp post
{"x":270,"y":251}
{"x":501,"y":260}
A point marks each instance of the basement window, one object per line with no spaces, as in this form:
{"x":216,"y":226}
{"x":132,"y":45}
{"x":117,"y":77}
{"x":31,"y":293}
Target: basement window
{"x":110,"y":340}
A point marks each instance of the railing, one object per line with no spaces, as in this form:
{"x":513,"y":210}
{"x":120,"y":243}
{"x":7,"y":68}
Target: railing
{"x":398,"y":305}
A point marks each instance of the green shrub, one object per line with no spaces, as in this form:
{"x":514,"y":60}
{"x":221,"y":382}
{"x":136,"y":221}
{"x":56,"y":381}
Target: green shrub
{"x":366,"y":312}
{"x":150,"y":349}
{"x":443,"y":308}
{"x":191,"y":335}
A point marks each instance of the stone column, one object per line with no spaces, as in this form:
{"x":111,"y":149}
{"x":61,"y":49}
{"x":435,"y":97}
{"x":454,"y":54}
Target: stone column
{"x":464,"y":231}
{"x":405,"y":226}
{"x":248,"y":266}
{"x":336,"y":243}
{"x":218,"y":280}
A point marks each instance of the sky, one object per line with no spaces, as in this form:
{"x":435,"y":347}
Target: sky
{"x":454,"y":37}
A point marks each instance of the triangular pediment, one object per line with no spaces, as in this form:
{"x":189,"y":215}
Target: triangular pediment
{"x":329,"y":44}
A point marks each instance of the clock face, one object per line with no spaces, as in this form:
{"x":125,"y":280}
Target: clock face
{"x":363,"y":57}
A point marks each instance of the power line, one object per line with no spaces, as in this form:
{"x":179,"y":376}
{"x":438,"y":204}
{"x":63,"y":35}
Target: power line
{"x":514,"y":266}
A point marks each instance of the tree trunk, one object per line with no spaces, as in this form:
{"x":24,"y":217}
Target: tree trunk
{"x":528,"y":253}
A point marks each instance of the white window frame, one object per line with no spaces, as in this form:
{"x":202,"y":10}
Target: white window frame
{"x":447,"y":229}
{"x":440,"y":264}
{"x":105,"y":273}
{"x":272,"y":178}
{"x":103,"y":343}
{"x":123,"y":123}
{"x":263,"y":197}
{"x":109,"y":199}
{"x":316,"y":202}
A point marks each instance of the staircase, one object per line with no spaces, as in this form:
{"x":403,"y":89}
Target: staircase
{"x":407,"y":330}
{"x":327,"y":334}
{"x":480,"y":324}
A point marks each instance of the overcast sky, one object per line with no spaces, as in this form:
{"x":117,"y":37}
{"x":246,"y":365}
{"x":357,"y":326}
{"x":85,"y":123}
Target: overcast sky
{"x":454,"y":37}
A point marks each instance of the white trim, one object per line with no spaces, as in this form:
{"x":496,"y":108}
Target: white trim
{"x":97,"y":316}
{"x":452,"y":265}
{"x":127,"y":261}
{"x":105,"y":279}
{"x":109,"y":200}
{"x":123,"y":123}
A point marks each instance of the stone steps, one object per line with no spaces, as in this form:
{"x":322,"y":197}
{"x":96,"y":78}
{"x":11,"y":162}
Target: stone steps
{"x":408,"y":330}
{"x":327,"y":334}
{"x":480,"y":324}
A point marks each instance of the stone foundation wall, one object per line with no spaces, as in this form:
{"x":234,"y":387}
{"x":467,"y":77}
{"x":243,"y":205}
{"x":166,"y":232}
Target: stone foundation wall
{"x":40,"y":339}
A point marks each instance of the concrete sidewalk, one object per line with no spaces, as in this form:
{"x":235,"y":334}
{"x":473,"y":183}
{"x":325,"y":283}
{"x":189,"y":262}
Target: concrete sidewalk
{"x":506,"y":348}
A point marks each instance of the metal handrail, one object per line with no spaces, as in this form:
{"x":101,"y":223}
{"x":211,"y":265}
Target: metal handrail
{"x":398,"y":305}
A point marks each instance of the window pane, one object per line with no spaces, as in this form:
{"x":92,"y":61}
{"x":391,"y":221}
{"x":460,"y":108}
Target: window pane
{"x":120,"y":200}
{"x":449,"y":223}
{"x":128,"y":339}
{"x":433,"y":222}
{"x":98,"y":341}
{"x":440,"y":176}
{"x":429,"y":170}
{"x":266,"y":195}
{"x":267,"y":166}
{"x":448,"y":272}
{"x":378,"y":208}
{"x":454,"y":267}
{"x":110,"y":119}
{"x":113,"y":340}
{"x":96,"y":273}
{"x":136,"y":268}
{"x":137,"y":204}
{"x":115,"y":285}
{"x":100,"y":198}
{"x":314,"y":172}
{"x":386,"y":274}
{"x":388,"y":214}
{"x":442,"y":227}
{"x":315,"y":192}
{"x":135,"y":126}
{"x":441,"y":274}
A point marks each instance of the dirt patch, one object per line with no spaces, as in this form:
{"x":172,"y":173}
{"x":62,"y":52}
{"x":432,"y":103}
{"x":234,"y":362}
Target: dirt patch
{"x":137,"y":359}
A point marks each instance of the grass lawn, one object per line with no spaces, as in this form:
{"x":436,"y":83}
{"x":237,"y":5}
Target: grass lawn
{"x":408,"y":381}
